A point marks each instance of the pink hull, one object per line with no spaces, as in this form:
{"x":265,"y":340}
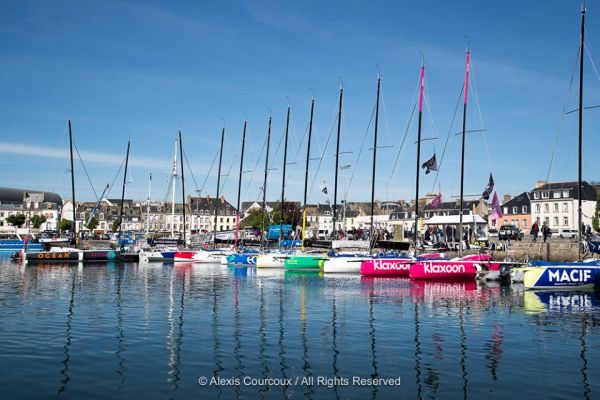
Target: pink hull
{"x":184,"y":256}
{"x":445,"y":270}
{"x":386,"y":267}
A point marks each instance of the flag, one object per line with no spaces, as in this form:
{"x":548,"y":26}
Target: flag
{"x":324,"y":187}
{"x":496,"y":209}
{"x":437,"y":200}
{"x":488,"y":189}
{"x":430,"y":165}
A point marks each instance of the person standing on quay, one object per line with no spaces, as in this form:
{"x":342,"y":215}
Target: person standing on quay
{"x":545,"y":232}
{"x":535,"y":230}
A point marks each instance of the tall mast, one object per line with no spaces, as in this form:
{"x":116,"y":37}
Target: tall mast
{"x":421,"y":85}
{"x":218,"y":188}
{"x":123,"y":192}
{"x":462,"y":157}
{"x":148,"y":205}
{"x":182,"y":184}
{"x":579,"y":178}
{"x":174,"y":179}
{"x":337,"y":159}
{"x":237,"y":222}
{"x":264,"y":202}
{"x":310,"y":126}
{"x":285,"y":146}
{"x":74,"y":225}
{"x":371,"y":239}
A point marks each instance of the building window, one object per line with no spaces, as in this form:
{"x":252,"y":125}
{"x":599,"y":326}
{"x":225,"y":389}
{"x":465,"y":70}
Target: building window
{"x":545,"y":195}
{"x":555,"y":221}
{"x":536,"y":195}
{"x":565,"y":221}
{"x":557,"y":194}
{"x":566,"y":207}
{"x":547,"y":207}
{"x":547,"y":221}
{"x":505,"y":210}
{"x":327,"y":213}
{"x":565,"y":193}
{"x":514,"y":210}
{"x":82,"y":216}
{"x":524,"y":223}
{"x":524,"y":208}
{"x":555,"y":207}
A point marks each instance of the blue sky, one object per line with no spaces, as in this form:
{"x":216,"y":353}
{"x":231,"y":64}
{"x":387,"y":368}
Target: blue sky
{"x":144,"y":70}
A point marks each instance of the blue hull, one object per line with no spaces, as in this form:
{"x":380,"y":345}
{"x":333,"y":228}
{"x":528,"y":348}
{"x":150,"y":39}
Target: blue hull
{"x":561,"y":275}
{"x":242,"y":259}
{"x":18,"y":245}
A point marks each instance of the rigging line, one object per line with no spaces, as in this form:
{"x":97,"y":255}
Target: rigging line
{"x":190,"y":169}
{"x":563,"y":114}
{"x":437,"y":173}
{"x":408,"y":124}
{"x":385,"y":117}
{"x":331,"y":130}
{"x":112,"y":184}
{"x":256,"y":166}
{"x":212,"y":164}
{"x":229,"y":171}
{"x":359,"y":153}
{"x":478,"y":106}
{"x":589,"y":53}
{"x":55,"y":160}
{"x":85,"y":170}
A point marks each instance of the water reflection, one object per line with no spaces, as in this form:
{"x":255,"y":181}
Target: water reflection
{"x":246,"y":322}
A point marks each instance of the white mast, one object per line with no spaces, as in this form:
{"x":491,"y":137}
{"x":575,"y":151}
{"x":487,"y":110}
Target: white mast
{"x":174,"y":189}
{"x":148,"y":205}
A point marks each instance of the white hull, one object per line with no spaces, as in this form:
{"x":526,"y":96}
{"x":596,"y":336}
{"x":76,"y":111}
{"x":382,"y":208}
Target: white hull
{"x":346,"y":265}
{"x":272,"y":260}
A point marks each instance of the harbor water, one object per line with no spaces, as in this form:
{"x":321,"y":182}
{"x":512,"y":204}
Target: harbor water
{"x":158,"y":331}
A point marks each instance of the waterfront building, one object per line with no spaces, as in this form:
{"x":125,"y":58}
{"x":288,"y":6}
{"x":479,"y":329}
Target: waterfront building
{"x":516,"y":211}
{"x":556,"y":204}
{"x":29,"y":203}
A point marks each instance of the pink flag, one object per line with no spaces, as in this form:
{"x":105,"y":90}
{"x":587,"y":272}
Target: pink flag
{"x":437,"y":200}
{"x":497,"y":210}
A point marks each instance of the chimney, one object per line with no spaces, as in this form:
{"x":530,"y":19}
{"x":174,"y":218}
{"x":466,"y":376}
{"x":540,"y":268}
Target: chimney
{"x":539,"y":184}
{"x":506,"y":198}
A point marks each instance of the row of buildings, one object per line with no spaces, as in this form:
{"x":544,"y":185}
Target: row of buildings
{"x":552,"y":203}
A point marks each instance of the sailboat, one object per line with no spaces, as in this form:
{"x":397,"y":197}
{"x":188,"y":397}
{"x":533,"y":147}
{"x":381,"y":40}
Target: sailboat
{"x":566,"y":275}
{"x":73,"y":255}
{"x":351,"y":262}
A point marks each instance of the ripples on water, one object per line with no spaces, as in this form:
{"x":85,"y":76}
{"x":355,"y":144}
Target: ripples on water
{"x":150,"y":331}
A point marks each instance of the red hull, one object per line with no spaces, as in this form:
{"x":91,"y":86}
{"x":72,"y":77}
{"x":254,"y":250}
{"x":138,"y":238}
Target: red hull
{"x":445,"y":270}
{"x":386,"y":267}
{"x":184,"y":256}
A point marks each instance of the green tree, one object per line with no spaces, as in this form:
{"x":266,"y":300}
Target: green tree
{"x":92,"y":224}
{"x":65,"y":225}
{"x":255,"y":219}
{"x":37,"y":221}
{"x":16,"y":220}
{"x":116,"y":224}
{"x":292,"y":215}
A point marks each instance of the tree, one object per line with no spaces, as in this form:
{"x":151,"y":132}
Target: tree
{"x":65,"y":225}
{"x":255,"y":219}
{"x":92,"y":224}
{"x":116,"y":225}
{"x":37,"y":221}
{"x":292,"y":216}
{"x":16,"y":220}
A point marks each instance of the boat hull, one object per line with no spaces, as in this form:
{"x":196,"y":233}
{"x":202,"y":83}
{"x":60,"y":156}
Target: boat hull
{"x":445,"y":270}
{"x":343,"y":265}
{"x":399,"y":267}
{"x":274,"y":260}
{"x":304,"y":263}
{"x":561,"y":277}
{"x":242,"y":259}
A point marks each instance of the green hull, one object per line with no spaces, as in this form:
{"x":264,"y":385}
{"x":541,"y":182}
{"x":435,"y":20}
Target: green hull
{"x":304,"y":263}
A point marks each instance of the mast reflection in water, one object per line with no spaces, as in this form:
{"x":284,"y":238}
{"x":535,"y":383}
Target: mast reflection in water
{"x":152,"y":330}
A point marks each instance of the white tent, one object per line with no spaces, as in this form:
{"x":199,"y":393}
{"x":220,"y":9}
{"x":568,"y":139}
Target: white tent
{"x":455,"y":220}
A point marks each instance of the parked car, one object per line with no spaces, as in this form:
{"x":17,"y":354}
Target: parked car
{"x":493,"y":233}
{"x":323,"y":234}
{"x":510,"y":232}
{"x":568,"y":233}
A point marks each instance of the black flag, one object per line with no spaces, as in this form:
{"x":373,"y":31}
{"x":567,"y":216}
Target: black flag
{"x":430,"y":165}
{"x":488,"y":189}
